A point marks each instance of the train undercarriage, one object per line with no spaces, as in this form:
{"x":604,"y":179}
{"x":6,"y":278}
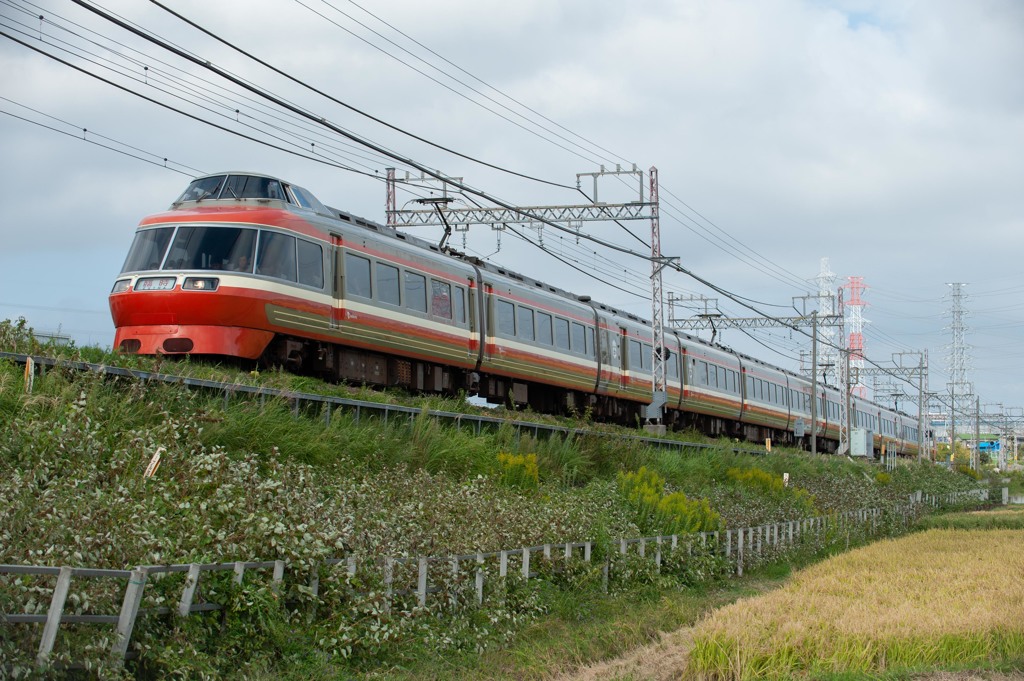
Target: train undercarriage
{"x":342,"y":364}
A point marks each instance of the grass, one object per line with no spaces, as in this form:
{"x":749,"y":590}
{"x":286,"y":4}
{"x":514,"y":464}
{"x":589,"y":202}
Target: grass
{"x":1010,"y":518}
{"x":938,"y":598}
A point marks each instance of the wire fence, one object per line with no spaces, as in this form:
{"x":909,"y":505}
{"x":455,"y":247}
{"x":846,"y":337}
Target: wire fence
{"x":452,"y":581}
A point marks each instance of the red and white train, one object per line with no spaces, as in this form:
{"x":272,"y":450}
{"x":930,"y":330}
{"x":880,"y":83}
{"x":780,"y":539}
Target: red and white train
{"x":253,"y":267}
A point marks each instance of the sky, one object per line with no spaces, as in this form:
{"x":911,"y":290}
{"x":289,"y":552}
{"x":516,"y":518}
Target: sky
{"x":885,"y":136}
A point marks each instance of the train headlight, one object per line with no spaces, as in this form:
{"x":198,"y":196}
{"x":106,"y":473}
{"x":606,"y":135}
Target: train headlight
{"x":121,"y":285}
{"x":200,"y":284}
{"x":155,"y":284}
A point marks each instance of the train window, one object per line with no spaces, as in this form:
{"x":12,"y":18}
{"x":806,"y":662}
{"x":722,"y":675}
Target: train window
{"x":634,"y":355}
{"x":591,"y":347}
{"x":306,"y":199}
{"x":579,"y":343}
{"x":311,"y":264}
{"x":388,"y":289}
{"x":561,"y":333}
{"x":506,"y":318}
{"x":723,"y":382}
{"x":148,"y":248}
{"x":251,"y":187}
{"x":646,"y":357}
{"x":672,"y":365}
{"x":213,"y":248}
{"x":203,"y":188}
{"x":524,"y":321}
{"x":275,"y":256}
{"x":357,"y":276}
{"x":415,"y":291}
{"x":440,"y":299}
{"x":544,"y":328}
{"x":460,"y":305}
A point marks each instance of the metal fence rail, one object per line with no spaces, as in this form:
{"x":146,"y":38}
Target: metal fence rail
{"x":740,"y":547}
{"x":358,"y":408}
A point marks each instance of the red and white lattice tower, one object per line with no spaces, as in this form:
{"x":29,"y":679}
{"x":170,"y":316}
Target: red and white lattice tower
{"x":855,"y":323}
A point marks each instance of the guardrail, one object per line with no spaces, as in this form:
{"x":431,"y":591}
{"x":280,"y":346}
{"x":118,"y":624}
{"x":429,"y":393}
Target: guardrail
{"x":329,"y":403}
{"x":462,"y":577}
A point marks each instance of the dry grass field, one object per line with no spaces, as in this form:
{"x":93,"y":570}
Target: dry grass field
{"x":942,"y":598}
{"x":938,"y":598}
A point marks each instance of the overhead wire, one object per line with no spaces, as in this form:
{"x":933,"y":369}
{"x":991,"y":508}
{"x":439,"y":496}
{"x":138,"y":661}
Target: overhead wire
{"x":208,"y":94}
{"x":326,"y":95}
{"x":154,"y":158}
{"x":187,"y":114}
{"x":593,"y":144}
{"x":435,"y":80}
{"x":800,"y":284}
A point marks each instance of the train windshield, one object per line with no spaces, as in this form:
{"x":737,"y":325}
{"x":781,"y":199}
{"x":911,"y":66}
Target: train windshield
{"x":233,"y":187}
{"x":147,"y":251}
{"x":212,"y":248}
{"x":203,"y":188}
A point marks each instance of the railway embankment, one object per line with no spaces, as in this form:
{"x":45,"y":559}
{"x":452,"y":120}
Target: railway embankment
{"x":99,"y":472}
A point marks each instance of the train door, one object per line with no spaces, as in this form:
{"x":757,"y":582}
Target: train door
{"x":619,"y":353}
{"x":337,"y":281}
{"x":475,"y":317}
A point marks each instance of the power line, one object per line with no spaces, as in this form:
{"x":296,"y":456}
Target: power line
{"x":503,"y":94}
{"x":302,"y":83}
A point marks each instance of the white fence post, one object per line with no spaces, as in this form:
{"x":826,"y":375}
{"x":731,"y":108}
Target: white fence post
{"x":739,"y":553}
{"x":188,"y":594}
{"x":60,"y":595}
{"x":129,"y":611}
{"x":421,"y":583}
{"x":479,"y":578}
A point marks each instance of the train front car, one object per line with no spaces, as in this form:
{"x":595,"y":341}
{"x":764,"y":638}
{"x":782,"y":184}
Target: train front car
{"x":237,"y":259}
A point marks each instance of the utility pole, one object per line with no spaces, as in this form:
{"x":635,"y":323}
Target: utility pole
{"x":814,"y":383}
{"x":959,"y":388}
{"x":659,"y":392}
{"x":922,"y":376}
{"x":976,"y":458}
{"x":952,"y":423}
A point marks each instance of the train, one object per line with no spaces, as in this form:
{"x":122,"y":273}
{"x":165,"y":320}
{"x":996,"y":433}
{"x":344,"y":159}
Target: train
{"x":255,"y":268}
